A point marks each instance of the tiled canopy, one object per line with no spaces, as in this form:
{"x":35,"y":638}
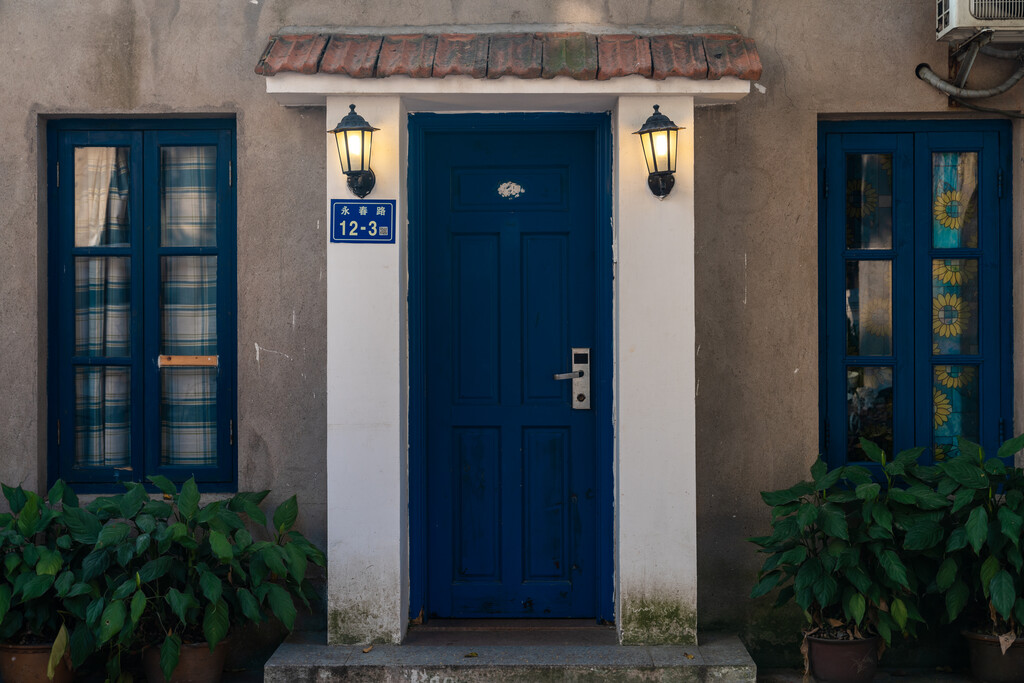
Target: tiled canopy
{"x":581,"y":56}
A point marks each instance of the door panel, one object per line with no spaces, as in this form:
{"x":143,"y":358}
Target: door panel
{"x":511,"y":473}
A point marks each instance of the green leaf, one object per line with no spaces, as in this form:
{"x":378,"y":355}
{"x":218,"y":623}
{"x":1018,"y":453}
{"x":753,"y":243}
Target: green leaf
{"x":893,"y":566}
{"x":965,"y":471}
{"x":902,"y":496}
{"x":1010,"y":446}
{"x":898,"y":610}
{"x":928,"y":498}
{"x":1010,"y":524}
{"x":250,"y":608}
{"x":855,"y":606}
{"x":1003,"y":594}
{"x":180,"y":603}
{"x":868,"y":491}
{"x":133,"y":500}
{"x":138,"y":606}
{"x":283,"y":608}
{"x":94,"y":611}
{"x":112,"y":621}
{"x":871,"y":449}
{"x":94,"y":564}
{"x":957,"y":540}
{"x":947,"y":574}
{"x":211,"y":586}
{"x":154,"y":569}
{"x":909,"y":457}
{"x":28,"y":520}
{"x":243,"y":539}
{"x":829,"y":480}
{"x":62,"y":584}
{"x":215,"y":622}
{"x":5,"y":600}
{"x":977,"y":528}
{"x":220,"y":546}
{"x":825,"y":589}
{"x":165,"y":485}
{"x":170,"y":651}
{"x":297,"y":561}
{"x":82,"y":644}
{"x":882,"y":516}
{"x":146,"y":522}
{"x":763,"y":587}
{"x":15,"y":497}
{"x":188,"y":500}
{"x":50,"y":562}
{"x":142,"y":542}
{"x":126,"y":588}
{"x":989,"y":568}
{"x":818,"y":470}
{"x":274,"y":556}
{"x":772,"y":498}
{"x":833,"y":522}
{"x":956,"y":599}
{"x":285,"y":514}
{"x":60,"y":646}
{"x":923,"y":535}
{"x":962,"y":498}
{"x":36,"y":586}
{"x":884,"y":627}
{"x":82,"y":524}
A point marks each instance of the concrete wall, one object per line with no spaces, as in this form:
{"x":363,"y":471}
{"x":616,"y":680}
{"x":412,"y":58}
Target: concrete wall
{"x":755,"y":206}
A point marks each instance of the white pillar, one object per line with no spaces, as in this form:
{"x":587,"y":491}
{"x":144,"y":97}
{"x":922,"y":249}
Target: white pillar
{"x":655,"y":504}
{"x":366,"y":463}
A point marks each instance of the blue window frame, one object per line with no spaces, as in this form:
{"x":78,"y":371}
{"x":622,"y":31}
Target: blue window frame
{"x":915,"y":286}
{"x":142,"y":302}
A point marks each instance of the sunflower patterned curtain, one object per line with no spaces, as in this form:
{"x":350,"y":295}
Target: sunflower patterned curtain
{"x":955,"y":389}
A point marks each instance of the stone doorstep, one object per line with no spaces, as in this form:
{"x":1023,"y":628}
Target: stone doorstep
{"x":307,"y":658}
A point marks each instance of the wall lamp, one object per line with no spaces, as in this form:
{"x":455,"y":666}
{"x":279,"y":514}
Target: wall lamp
{"x":658,"y":136}
{"x":354,"y":136}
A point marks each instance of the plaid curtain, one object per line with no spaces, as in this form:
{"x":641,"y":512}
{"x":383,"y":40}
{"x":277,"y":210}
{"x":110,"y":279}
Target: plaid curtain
{"x":102,"y":307}
{"x":188,"y":305}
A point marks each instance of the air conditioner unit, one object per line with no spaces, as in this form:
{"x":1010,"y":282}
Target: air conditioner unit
{"x":957,"y":20}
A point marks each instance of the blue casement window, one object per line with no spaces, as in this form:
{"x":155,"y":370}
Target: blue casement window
{"x":915,"y":286}
{"x":142,"y":338}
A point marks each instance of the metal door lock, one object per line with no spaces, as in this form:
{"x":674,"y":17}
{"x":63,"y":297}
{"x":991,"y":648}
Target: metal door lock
{"x":580,"y":376}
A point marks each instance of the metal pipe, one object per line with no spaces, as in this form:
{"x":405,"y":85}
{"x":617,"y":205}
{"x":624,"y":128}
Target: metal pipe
{"x":1000,"y":53}
{"x":925,"y":73}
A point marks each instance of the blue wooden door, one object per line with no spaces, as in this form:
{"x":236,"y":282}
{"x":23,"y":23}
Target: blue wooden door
{"x":510,"y":219}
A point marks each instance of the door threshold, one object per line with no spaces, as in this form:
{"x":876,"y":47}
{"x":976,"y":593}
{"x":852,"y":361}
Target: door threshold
{"x":466,"y":632}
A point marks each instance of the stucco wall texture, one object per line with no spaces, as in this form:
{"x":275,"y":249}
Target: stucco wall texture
{"x":756,"y":218}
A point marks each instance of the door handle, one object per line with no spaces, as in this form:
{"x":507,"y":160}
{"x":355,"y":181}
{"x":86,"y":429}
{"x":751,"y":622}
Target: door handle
{"x":580,"y":376}
{"x":569,"y":375}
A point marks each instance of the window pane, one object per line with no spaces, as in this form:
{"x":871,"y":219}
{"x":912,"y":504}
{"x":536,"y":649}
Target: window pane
{"x":188,"y":196}
{"x":102,"y":417}
{"x":868,"y":409}
{"x":955,"y":200}
{"x":102,"y":306}
{"x":188,"y":416}
{"x":955,"y":403}
{"x":869,"y":201}
{"x":188,"y":305}
{"x":869,"y":308}
{"x":955,"y":306}
{"x":101,"y":197}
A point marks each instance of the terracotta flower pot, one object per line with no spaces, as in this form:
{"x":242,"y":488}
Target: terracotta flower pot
{"x":989,"y":664}
{"x":195,"y":665}
{"x":27,"y":664}
{"x":842,"y":661}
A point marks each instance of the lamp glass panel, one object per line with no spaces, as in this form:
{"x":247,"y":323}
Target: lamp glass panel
{"x":660,"y":142}
{"x":645,"y":140}
{"x":342,"y":152}
{"x":673,"y":141}
{"x":354,"y":140}
{"x":367,"y":141}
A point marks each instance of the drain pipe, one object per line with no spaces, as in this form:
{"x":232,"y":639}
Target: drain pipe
{"x":925,"y":73}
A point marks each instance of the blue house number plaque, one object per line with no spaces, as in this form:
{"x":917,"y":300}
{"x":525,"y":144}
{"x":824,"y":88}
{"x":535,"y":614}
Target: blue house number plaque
{"x":362,"y":221}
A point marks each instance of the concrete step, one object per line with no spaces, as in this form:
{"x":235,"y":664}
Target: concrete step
{"x":307,"y":658}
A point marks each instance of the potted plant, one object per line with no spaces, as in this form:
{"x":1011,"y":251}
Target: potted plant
{"x":172,"y":577}
{"x":35,"y":551}
{"x":981,"y":577}
{"x":835,"y":549}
